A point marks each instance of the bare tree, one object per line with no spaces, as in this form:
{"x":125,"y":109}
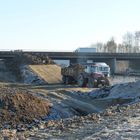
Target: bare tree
{"x":111,"y":46}
{"x":137,"y":41}
{"x":100,"y":47}
{"x":128,"y":41}
{"x":121,"y":48}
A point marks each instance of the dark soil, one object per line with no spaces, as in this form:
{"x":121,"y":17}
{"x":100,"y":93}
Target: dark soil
{"x":20,"y":107}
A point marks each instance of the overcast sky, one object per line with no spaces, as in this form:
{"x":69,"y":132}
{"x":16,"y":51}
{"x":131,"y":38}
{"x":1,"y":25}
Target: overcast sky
{"x":56,"y":25}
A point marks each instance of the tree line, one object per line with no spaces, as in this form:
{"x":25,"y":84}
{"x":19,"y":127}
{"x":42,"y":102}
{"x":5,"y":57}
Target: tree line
{"x":130,"y":44}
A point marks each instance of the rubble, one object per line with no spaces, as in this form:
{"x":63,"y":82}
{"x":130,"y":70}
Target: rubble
{"x":114,"y":121}
{"x":110,"y":124}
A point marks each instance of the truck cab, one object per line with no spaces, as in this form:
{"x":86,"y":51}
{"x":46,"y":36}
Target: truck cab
{"x":98,"y":68}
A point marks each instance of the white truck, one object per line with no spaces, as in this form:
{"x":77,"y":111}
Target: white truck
{"x":86,"y":50}
{"x":103,"y":68}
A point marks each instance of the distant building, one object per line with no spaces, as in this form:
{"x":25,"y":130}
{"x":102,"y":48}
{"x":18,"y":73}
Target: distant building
{"x":86,"y":49}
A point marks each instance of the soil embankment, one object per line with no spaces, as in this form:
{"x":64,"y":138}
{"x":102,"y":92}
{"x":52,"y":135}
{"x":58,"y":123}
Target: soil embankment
{"x":51,"y":74}
{"x":20,"y":107}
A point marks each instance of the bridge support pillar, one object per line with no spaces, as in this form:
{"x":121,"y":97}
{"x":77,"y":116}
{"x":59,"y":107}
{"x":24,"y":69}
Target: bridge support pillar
{"x":113,"y":66}
{"x":135,"y":64}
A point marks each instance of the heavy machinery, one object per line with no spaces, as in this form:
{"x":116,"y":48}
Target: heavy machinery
{"x":85,"y":75}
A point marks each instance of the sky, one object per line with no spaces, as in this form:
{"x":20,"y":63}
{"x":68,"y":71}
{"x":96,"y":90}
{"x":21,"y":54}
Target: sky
{"x":65,"y":25}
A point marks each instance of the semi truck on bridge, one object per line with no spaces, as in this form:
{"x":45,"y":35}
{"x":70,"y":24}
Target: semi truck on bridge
{"x":86,"y":50}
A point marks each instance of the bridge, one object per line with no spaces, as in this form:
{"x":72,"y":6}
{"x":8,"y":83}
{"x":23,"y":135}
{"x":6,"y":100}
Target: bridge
{"x":75,"y":57}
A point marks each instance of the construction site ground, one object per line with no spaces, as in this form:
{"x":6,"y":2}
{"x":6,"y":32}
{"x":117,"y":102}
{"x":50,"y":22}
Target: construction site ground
{"x":72,"y":112}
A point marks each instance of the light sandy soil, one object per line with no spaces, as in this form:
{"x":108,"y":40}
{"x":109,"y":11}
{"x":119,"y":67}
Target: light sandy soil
{"x":49,"y":73}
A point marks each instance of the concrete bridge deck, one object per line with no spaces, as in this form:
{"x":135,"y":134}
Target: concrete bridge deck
{"x":70,"y":55}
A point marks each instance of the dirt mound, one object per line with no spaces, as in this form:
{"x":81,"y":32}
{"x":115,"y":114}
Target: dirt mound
{"x":28,"y":58}
{"x":20,"y":106}
{"x":22,"y":58}
{"x":49,"y":73}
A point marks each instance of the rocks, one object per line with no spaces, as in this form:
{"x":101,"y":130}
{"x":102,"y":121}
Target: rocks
{"x":7,"y":133}
{"x":108,"y":113}
{"x":41,"y":125}
{"x":109,"y":126}
{"x":20,"y":128}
